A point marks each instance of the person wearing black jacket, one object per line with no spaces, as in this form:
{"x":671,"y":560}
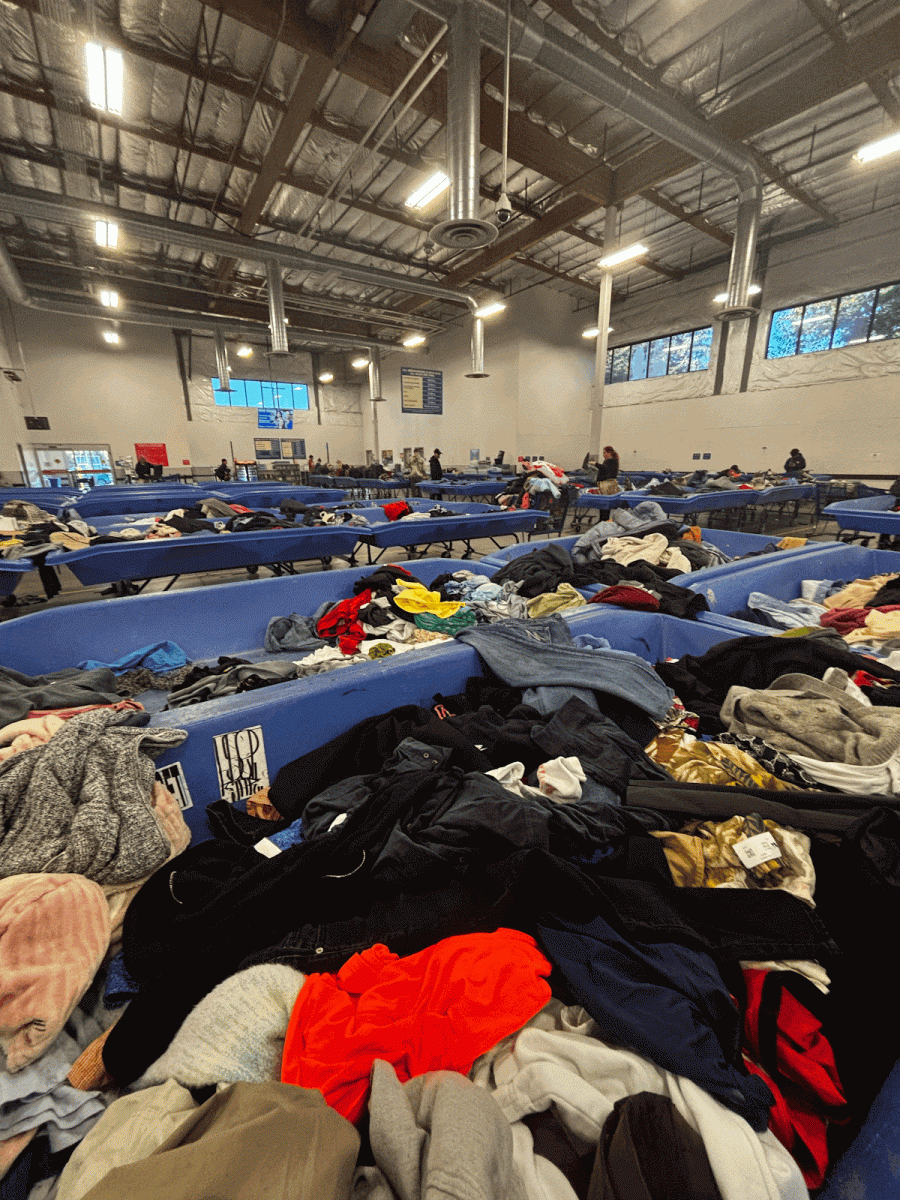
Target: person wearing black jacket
{"x":437,"y":471}
{"x":796,"y":462}
{"x":609,"y":467}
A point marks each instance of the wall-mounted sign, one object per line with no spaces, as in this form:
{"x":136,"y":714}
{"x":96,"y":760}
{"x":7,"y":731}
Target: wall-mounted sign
{"x":421,"y":391}
{"x":267,"y":448}
{"x":275,"y":418}
{"x":154,"y":452}
{"x":293,"y":447}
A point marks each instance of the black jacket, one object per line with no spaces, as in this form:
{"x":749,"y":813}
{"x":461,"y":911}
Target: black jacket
{"x":437,"y":471}
{"x":795,"y":463}
{"x":607,"y":469}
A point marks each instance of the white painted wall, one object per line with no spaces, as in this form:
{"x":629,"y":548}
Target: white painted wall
{"x":93,"y":392}
{"x":839,"y":406}
{"x":535,"y":401}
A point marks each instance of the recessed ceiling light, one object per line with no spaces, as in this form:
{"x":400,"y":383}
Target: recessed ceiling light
{"x":887,"y":145}
{"x":624,"y":255}
{"x":110,"y":335}
{"x":414,"y":339}
{"x":104,"y":74}
{"x":109,"y":299}
{"x":326,"y":377}
{"x":430,"y":190}
{"x":106,"y":233}
{"x":488,"y":310}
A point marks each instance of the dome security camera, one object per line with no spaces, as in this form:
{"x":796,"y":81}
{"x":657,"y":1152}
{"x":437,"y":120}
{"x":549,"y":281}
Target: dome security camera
{"x":504,"y":210}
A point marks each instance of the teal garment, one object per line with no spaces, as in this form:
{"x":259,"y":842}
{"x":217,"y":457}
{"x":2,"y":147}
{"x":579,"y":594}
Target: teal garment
{"x":463,"y":618}
{"x":159,"y":658}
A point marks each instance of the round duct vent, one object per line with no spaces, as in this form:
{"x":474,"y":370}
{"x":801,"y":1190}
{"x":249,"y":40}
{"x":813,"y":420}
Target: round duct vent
{"x":736,"y":314}
{"x":463,"y":233}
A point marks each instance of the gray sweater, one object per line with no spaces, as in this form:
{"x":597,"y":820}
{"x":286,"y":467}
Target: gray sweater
{"x":803,"y":715}
{"x":80,"y":803}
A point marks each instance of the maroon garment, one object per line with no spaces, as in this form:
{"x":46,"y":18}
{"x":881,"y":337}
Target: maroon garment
{"x":845,"y":619}
{"x":624,"y":596}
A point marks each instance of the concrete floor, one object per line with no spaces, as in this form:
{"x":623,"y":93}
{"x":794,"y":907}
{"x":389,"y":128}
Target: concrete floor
{"x":30,"y":596}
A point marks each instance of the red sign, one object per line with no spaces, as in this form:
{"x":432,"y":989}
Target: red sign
{"x":154,"y":452}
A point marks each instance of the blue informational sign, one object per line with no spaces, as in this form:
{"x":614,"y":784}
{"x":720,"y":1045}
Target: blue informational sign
{"x":421,"y":391}
{"x":275,"y":418}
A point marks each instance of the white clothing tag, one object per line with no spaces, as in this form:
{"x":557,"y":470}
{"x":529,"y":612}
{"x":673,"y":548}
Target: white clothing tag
{"x":755,"y":850}
{"x":266,"y":847}
{"x":338,"y":820}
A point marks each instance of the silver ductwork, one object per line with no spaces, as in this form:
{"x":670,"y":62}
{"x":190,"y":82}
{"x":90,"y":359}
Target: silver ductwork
{"x":222,"y":362}
{"x":65,"y":210}
{"x":546,"y":47}
{"x":375,"y":375}
{"x":478,"y":371}
{"x":464,"y":230}
{"x":277,"y":320}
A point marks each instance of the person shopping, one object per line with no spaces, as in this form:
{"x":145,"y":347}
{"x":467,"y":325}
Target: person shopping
{"x":437,"y":471}
{"x":223,"y":471}
{"x":795,"y":462}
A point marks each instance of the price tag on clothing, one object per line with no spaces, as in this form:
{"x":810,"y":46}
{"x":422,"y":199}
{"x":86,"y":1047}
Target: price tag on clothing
{"x":755,"y":850}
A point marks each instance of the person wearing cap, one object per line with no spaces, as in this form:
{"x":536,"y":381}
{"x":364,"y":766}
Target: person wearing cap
{"x":437,"y":471}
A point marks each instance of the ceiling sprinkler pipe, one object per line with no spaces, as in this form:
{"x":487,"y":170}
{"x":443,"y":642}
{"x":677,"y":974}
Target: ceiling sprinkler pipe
{"x":277,"y":322}
{"x":222,"y":362}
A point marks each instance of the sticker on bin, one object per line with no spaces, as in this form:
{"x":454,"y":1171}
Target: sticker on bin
{"x":241,"y":763}
{"x":172,"y":777}
{"x":756,"y":850}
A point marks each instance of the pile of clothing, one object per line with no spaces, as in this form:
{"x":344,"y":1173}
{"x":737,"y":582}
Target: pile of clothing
{"x":636,"y":566}
{"x":541,"y":484}
{"x":83,"y":826}
{"x":864,"y":613}
{"x":567,"y":932}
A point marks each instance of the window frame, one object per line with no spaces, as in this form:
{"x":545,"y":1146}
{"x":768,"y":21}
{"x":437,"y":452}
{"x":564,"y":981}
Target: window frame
{"x":649,"y":341}
{"x":835,"y":299}
{"x":274,"y":384}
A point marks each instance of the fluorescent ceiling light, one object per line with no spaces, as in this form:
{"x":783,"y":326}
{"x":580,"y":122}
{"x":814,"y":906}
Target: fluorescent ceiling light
{"x":359,"y":363}
{"x":106,"y":233}
{"x":110,"y":335}
{"x":326,"y":377}
{"x":594,"y":331}
{"x":109,"y":299}
{"x":104,"y":72}
{"x":620,"y":256}
{"x":753,"y":290}
{"x":430,"y":190}
{"x":414,"y":339}
{"x":878,"y":149}
{"x":488,"y":310}
{"x":244,"y":351}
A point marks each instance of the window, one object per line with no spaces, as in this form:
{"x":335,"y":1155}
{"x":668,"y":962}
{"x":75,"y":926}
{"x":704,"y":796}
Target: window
{"x":262,"y":393}
{"x":673,"y":355}
{"x":846,"y":320}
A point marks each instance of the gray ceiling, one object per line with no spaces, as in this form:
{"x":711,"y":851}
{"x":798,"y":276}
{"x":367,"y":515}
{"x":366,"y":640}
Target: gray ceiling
{"x":240,"y":114}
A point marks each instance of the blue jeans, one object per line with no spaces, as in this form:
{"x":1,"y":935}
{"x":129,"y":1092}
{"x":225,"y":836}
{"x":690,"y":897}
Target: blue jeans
{"x":542,"y":653}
